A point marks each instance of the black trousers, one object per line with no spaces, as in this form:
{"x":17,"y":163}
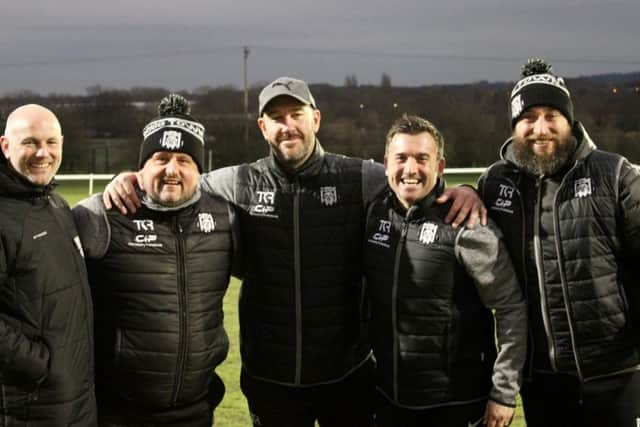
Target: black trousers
{"x":556,"y":400}
{"x":113,"y":412}
{"x":346,"y":403}
{"x":389,"y":415}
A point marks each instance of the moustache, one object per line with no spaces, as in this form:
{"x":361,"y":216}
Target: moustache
{"x":541,"y":138}
{"x":288,"y":135}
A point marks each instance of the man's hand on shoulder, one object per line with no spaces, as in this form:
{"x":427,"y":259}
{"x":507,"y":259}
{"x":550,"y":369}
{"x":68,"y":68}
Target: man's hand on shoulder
{"x":121,"y":192}
{"x":467,"y":205}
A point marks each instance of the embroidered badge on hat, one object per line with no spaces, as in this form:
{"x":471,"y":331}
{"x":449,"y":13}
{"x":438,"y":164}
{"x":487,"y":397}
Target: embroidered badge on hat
{"x":171,"y":140}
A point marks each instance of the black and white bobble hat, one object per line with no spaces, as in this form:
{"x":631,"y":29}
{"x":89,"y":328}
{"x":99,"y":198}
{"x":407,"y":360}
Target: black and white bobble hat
{"x":540,"y":87}
{"x":173,"y":130}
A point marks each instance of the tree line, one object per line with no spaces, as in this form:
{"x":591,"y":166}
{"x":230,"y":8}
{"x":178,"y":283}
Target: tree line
{"x":103,"y":128}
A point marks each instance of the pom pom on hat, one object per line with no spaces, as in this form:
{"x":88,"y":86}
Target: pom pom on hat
{"x":174,"y":105}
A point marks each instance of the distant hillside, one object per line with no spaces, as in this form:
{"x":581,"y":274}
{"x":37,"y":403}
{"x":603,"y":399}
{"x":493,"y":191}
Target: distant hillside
{"x":102,"y":128}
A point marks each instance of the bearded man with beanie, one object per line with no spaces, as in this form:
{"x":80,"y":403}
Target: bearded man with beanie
{"x":158,"y":279}
{"x":570,"y":214}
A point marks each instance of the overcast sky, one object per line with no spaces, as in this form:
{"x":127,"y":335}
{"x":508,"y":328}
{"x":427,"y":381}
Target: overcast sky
{"x":67,"y":45}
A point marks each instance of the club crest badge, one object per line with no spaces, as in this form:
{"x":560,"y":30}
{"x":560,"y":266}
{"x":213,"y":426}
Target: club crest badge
{"x":428,"y":233}
{"x":171,"y":140}
{"x":206,"y":223}
{"x":582,"y":187}
{"x":328,"y":196}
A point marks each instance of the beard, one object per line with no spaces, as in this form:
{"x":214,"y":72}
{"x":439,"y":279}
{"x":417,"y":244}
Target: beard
{"x":543,"y":165}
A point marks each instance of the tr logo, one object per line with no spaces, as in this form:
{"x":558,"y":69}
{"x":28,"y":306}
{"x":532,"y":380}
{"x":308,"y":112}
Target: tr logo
{"x":266,"y":197}
{"x":143,"y":224}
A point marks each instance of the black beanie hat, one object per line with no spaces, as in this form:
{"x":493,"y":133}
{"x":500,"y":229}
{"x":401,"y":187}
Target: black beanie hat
{"x":173,"y":130}
{"x":539,"y":86}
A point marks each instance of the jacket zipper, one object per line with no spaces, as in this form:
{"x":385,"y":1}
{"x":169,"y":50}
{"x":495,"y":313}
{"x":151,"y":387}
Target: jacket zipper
{"x":537,"y":248}
{"x":523,"y":254}
{"x":394,"y":305}
{"x":563,"y":276}
{"x":298,"y":281}
{"x":182,"y":311}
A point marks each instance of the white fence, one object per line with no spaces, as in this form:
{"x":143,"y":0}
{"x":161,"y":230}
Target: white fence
{"x":92,"y":177}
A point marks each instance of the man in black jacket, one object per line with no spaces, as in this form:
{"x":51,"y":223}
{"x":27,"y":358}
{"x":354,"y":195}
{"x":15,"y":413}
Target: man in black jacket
{"x":158,"y":279}
{"x":571,"y":218}
{"x":301,"y":210}
{"x":46,"y":320}
{"x":432,"y":290}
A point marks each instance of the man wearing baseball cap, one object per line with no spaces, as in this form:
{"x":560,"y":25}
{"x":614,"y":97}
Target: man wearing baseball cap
{"x":158,"y":278}
{"x":305,"y":352}
{"x":570,"y":214}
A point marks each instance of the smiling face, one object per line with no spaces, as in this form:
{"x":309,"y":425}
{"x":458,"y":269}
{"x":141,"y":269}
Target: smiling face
{"x":32,"y":143}
{"x":290,"y":127}
{"x":170,"y":178}
{"x":542,"y":140}
{"x":413,"y":165}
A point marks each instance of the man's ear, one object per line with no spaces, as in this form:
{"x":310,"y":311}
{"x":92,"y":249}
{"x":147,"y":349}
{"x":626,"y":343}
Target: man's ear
{"x":317,"y":116}
{"x":262,"y":125}
{"x":441,"y":164}
{"x":4,"y":143}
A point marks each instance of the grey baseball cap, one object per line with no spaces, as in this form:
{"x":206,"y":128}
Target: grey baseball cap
{"x":288,"y":86}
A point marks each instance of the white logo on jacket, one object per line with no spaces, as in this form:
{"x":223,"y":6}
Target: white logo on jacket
{"x":144,"y":239}
{"x":383,"y":234}
{"x":504,"y":202}
{"x":206,"y":223}
{"x":78,"y":243}
{"x":328,"y":196}
{"x":265,"y":205}
{"x":582,"y":187}
{"x":143,"y":224}
{"x":428,"y":233}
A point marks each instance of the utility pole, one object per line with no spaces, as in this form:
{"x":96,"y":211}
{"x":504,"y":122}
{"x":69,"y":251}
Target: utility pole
{"x":246,"y":101}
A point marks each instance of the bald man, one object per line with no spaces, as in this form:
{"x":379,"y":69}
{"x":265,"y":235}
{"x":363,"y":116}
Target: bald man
{"x":46,"y":322}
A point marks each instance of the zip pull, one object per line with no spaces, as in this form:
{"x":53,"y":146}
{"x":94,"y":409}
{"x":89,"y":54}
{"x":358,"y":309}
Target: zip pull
{"x":404,"y":230}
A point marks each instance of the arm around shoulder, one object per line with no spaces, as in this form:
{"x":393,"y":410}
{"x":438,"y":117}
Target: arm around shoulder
{"x":91,"y":220}
{"x":485,"y":257}
{"x":221,"y":182}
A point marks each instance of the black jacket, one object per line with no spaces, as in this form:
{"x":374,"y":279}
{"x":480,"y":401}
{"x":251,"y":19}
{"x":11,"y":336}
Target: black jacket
{"x":301,"y":314}
{"x":158,"y":279}
{"x":432,"y":289}
{"x":46,"y":320}
{"x":575,"y":241}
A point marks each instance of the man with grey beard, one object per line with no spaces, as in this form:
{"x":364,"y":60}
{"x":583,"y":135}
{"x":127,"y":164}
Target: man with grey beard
{"x":571,"y":218}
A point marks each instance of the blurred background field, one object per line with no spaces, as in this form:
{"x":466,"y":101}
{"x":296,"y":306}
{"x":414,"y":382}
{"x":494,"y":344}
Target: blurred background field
{"x":233,"y":412}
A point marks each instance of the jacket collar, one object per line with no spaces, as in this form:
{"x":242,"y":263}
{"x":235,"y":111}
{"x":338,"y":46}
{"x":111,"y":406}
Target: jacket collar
{"x":309,"y":168}
{"x":415,"y":211}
